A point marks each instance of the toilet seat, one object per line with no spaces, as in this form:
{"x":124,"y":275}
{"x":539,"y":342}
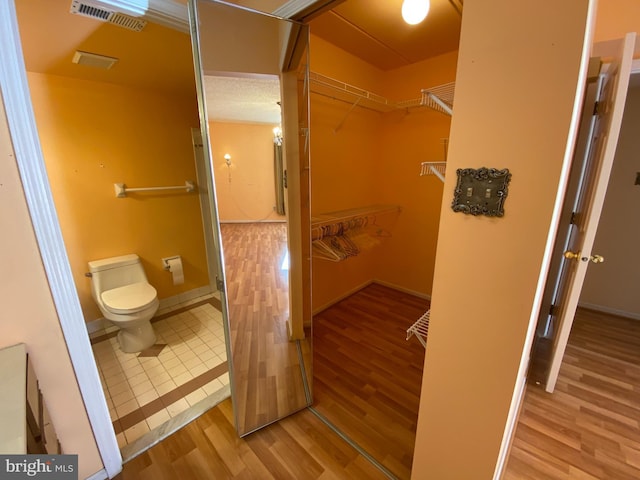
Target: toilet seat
{"x":129,"y":298}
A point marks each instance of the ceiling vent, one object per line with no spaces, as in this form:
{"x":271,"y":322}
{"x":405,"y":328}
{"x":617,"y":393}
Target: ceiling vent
{"x":97,"y":11}
{"x":93,"y":60}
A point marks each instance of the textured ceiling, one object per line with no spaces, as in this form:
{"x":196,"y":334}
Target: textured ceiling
{"x":243,"y":99}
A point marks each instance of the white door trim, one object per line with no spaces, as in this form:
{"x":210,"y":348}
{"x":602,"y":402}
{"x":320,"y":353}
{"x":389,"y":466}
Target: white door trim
{"x":26,"y":143}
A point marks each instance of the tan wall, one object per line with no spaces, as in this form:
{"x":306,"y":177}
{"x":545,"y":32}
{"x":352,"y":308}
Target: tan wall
{"x":245,"y":191}
{"x":29,"y":315}
{"x":615,"y":284}
{"x":96,"y":134}
{"x":507,"y":115}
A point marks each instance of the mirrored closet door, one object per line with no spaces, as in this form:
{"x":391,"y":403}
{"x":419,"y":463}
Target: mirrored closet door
{"x":251,"y":75}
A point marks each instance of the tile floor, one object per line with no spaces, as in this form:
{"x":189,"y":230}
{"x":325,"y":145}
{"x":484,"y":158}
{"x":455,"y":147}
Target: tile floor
{"x":144,"y":392}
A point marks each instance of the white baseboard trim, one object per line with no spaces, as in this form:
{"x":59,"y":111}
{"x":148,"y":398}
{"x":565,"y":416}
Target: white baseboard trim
{"x":100,"y":475}
{"x":366,"y":284}
{"x":102,"y":323}
{"x":611,"y":311}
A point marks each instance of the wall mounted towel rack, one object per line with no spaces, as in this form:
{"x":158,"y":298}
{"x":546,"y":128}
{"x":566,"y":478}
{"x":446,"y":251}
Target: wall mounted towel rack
{"x":121,"y":189}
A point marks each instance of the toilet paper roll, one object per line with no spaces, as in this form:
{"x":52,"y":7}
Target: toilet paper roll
{"x":175,"y":267}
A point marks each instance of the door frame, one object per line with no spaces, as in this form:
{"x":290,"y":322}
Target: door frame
{"x":603,"y":49}
{"x":30,"y":160}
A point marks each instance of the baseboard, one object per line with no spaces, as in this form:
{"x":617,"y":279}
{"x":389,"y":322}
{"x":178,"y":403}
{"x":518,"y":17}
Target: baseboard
{"x":610,"y":311}
{"x":426,"y":296}
{"x":366,"y":284}
{"x":341,"y":297}
{"x":102,"y":323}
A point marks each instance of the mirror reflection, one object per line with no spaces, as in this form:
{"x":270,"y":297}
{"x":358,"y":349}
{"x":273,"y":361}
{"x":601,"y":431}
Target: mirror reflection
{"x":251,"y":70}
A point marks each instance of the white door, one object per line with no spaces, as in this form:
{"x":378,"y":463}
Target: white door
{"x":611,"y":108}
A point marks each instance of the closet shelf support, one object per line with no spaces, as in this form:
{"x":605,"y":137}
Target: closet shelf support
{"x":433,"y":168}
{"x":420,"y":328}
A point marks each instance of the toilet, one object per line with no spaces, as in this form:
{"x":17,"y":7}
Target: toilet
{"x":120,"y":288}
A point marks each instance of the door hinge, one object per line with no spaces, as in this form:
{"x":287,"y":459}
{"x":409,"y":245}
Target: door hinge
{"x":552,"y":310}
{"x":597,"y":108}
{"x":574,"y":218}
{"x":284,"y":179}
{"x":219,"y":284}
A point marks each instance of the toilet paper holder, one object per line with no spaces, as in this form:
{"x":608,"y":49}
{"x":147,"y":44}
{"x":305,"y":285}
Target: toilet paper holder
{"x":165,"y":262}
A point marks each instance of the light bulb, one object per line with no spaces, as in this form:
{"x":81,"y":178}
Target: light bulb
{"x":415,"y":11}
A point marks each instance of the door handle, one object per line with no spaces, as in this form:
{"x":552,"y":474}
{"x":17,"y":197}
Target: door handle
{"x":576,"y":255}
{"x":571,"y":255}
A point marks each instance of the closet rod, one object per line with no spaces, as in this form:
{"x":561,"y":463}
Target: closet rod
{"x":330,"y":218}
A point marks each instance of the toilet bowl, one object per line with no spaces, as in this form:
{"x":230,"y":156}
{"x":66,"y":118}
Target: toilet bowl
{"x":120,"y":288}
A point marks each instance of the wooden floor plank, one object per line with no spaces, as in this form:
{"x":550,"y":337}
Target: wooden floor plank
{"x":589,"y":427}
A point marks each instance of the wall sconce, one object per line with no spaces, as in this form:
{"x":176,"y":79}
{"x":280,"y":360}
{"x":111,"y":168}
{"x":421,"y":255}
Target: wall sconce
{"x":415,"y":11}
{"x":227,"y":159}
{"x":277,"y":136}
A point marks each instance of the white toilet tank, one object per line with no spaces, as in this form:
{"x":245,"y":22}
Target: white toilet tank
{"x":114,"y":272}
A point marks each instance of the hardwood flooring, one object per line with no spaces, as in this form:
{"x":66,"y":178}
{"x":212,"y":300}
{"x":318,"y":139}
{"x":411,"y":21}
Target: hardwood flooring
{"x":299,"y":447}
{"x":367,"y":376}
{"x":589,"y":428}
{"x":267,"y":377}
{"x":368,"y":386}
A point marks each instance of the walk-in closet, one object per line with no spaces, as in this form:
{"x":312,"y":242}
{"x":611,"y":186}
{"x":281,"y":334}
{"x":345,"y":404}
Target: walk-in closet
{"x":379,"y":147}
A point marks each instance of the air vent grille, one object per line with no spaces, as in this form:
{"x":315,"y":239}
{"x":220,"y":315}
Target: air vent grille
{"x":89,"y":11}
{"x":92,"y":10}
{"x":127,"y":22}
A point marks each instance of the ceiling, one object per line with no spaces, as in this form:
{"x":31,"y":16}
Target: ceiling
{"x":160,"y":58}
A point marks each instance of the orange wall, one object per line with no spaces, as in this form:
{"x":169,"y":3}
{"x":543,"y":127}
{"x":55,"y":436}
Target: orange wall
{"x":360,"y":158}
{"x":507,"y":115}
{"x":245,"y":191}
{"x":29,"y":315}
{"x":344,"y":159}
{"x":96,"y":134}
{"x":408,"y":139}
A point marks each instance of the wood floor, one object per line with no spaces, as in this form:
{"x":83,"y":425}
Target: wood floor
{"x":267,"y":377}
{"x":367,"y":376}
{"x":299,"y":447}
{"x":589,"y":428}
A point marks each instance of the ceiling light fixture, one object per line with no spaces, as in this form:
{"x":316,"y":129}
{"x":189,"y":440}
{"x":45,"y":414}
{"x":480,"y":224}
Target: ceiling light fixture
{"x":415,"y":11}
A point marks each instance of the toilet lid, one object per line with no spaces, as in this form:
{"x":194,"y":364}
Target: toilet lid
{"x":130,"y":298}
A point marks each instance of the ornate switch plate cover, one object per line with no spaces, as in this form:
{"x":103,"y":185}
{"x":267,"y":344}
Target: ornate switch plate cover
{"x":481,"y":191}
